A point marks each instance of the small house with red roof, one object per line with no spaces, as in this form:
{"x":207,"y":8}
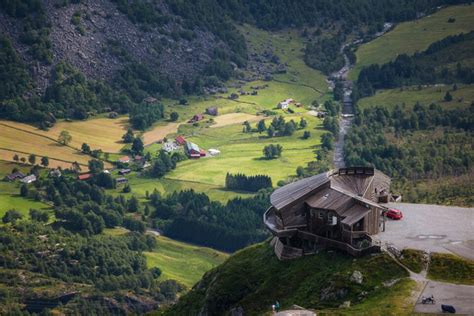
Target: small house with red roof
{"x":85,"y":176}
{"x":196,"y":118}
{"x":180,"y":140}
{"x":124,"y":159}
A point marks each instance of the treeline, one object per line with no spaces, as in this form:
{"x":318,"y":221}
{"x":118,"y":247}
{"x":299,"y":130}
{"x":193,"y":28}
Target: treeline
{"x":428,"y":67}
{"x":242,"y":182}
{"x":423,"y":142}
{"x":193,"y":217}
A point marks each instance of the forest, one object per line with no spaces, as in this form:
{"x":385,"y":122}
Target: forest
{"x":241,"y":182}
{"x":413,"y":143}
{"x":105,"y":264}
{"x":193,"y":217}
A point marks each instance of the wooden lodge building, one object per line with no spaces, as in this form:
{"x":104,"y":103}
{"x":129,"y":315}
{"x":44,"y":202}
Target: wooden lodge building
{"x":338,"y":209}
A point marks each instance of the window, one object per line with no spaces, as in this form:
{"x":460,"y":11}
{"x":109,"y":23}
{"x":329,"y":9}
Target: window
{"x":320,"y":215}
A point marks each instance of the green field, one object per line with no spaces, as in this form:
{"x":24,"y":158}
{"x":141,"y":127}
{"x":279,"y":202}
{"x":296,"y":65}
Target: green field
{"x":462,"y":97}
{"x":242,"y":152}
{"x":183,"y":262}
{"x":167,"y":186}
{"x":9,"y":192}
{"x":413,"y":36}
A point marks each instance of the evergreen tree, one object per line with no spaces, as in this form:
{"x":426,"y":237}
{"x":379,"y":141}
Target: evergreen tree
{"x":137,"y":146}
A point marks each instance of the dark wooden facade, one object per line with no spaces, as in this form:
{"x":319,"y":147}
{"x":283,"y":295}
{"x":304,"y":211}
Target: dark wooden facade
{"x":339,"y":208}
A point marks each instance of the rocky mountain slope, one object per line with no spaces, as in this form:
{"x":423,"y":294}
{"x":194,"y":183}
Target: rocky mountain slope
{"x":98,"y":39}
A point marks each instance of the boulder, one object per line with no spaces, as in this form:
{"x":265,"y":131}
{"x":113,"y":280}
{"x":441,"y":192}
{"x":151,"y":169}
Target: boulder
{"x":357,"y":277}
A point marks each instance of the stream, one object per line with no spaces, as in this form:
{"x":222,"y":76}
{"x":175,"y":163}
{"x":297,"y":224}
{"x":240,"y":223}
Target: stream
{"x":347,"y":115}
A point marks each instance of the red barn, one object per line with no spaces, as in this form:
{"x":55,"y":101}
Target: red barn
{"x":180,"y":140}
{"x":192,"y":150}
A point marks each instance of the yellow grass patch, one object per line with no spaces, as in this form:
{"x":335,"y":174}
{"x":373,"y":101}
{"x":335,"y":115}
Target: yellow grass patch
{"x":159,"y":132}
{"x":233,"y":118}
{"x":7,"y":155}
{"x":22,"y":142}
{"x":100,"y":133}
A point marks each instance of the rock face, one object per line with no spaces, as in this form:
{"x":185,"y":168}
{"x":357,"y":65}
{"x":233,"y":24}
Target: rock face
{"x":105,"y":39}
{"x":357,"y":277}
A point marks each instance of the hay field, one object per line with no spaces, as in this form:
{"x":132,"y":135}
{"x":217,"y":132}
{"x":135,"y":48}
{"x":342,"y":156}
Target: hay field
{"x":24,"y":143}
{"x":99,"y":133}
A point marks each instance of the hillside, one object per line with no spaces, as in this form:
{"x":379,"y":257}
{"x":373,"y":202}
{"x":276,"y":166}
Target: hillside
{"x":253,"y":279}
{"x":413,"y":36}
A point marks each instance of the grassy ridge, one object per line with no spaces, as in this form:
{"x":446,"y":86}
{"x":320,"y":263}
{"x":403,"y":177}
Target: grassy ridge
{"x":413,"y":36}
{"x":254,"y":279}
{"x":462,"y":97}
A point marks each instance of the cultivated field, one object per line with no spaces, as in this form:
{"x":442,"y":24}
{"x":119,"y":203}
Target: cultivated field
{"x":167,"y":186}
{"x":23,"y":143}
{"x":99,"y":133}
{"x":409,"y":37}
{"x":242,"y":152}
{"x":159,"y":132}
{"x":462,"y":97}
{"x":233,"y":118}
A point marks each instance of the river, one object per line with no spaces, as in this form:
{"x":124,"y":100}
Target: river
{"x":347,"y":115}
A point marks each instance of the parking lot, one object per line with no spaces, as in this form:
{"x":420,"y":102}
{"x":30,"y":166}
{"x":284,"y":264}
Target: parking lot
{"x":432,"y":228}
{"x":459,"y":296}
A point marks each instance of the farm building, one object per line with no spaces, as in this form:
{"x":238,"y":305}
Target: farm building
{"x":15,"y":176}
{"x":29,"y":179}
{"x":212,"y":110}
{"x":193,"y":150}
{"x":180,"y":140}
{"x":124,"y":171}
{"x":283,"y":105}
{"x":337,"y":209}
{"x":124,"y":159}
{"x":150,"y":100}
{"x":196,"y":118}
{"x":121,"y":180}
{"x":85,"y":176}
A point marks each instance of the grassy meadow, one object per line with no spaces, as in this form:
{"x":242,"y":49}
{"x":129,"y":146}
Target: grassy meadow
{"x":413,"y":36}
{"x":462,"y":97}
{"x":242,"y":152}
{"x":183,"y":262}
{"x":178,"y":260}
{"x":9,"y":192}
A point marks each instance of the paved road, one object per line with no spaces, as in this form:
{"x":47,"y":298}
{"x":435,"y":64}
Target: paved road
{"x":432,"y":228}
{"x":460,"y":296}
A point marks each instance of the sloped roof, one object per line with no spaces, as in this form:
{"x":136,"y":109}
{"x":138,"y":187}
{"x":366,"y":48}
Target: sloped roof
{"x":344,"y":184}
{"x":192,"y":146}
{"x":289,"y":193}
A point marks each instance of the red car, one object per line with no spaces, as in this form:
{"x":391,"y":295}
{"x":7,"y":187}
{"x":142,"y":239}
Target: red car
{"x":394,"y":214}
